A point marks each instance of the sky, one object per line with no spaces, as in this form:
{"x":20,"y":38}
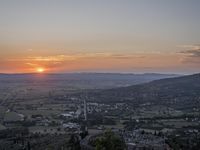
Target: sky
{"x":134,"y":36}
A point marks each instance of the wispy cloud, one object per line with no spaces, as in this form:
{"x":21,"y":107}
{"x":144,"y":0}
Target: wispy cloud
{"x":29,"y":50}
{"x":73,"y":57}
{"x":56,"y":58}
{"x":191,"y":54}
{"x":31,"y":64}
{"x":190,"y":47}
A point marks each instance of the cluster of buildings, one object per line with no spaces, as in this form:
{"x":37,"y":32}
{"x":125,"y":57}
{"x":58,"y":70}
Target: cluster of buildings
{"x":137,"y":139}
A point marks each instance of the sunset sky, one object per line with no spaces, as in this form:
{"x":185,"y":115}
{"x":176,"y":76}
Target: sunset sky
{"x":135,"y":36}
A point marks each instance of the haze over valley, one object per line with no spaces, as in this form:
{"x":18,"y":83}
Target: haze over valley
{"x":99,"y":75}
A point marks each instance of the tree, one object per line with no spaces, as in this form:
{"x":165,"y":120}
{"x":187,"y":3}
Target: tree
{"x":110,"y":141}
{"x":74,"y":143}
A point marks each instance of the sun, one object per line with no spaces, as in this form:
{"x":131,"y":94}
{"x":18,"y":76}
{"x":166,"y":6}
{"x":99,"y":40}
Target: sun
{"x":40,"y":70}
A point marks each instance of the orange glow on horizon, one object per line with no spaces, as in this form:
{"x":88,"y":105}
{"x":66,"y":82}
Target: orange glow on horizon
{"x":100,"y":62}
{"x":40,"y":70}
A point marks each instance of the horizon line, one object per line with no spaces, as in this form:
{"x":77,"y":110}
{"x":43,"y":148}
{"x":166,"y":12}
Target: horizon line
{"x":123,"y":73}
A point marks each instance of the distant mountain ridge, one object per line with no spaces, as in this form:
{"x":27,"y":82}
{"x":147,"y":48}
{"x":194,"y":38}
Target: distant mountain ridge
{"x":85,"y":80}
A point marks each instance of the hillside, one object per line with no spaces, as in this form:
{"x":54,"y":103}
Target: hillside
{"x":179,"y":91}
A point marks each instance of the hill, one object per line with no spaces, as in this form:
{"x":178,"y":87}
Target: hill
{"x":178,"y":92}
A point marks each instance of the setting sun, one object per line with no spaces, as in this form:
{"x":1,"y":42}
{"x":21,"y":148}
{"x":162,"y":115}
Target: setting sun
{"x":40,"y":70}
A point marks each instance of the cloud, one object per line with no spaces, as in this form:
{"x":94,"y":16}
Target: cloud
{"x":191,"y":50}
{"x":29,"y":50}
{"x":125,"y":56}
{"x":191,"y":54}
{"x":191,"y":47}
{"x":56,"y":58}
{"x":73,"y":57}
{"x":31,"y":64}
